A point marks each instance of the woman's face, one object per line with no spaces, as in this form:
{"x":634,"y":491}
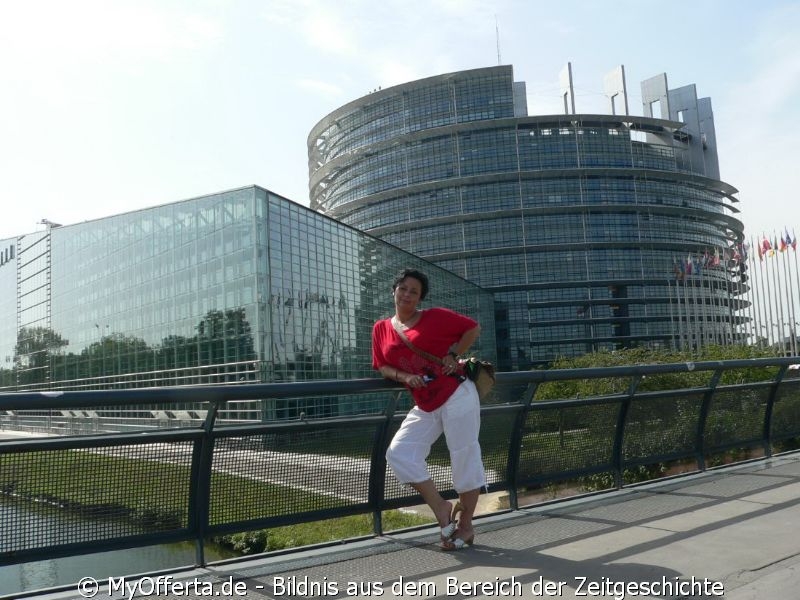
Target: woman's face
{"x":407,"y":294}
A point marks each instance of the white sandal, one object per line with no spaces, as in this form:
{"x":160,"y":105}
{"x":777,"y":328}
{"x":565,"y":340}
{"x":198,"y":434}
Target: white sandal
{"x":457,"y":543}
{"x":448,"y":530}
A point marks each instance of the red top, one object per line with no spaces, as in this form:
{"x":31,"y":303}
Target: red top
{"x":435,"y":332}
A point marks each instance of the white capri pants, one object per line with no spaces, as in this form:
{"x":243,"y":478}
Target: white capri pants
{"x":460,"y":420}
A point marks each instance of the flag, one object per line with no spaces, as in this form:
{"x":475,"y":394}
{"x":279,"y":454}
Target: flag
{"x":689,"y":265}
{"x":787,"y":241}
{"x":794,"y":241}
{"x":766,"y":247}
{"x":715,"y":260}
{"x":782,"y":245}
{"x":677,"y":268}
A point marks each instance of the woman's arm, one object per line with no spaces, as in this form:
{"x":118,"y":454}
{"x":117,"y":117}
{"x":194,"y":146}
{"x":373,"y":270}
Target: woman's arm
{"x":467,"y":339}
{"x":393,"y":373}
{"x":408,"y":379}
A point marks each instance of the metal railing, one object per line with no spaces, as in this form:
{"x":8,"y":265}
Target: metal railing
{"x":129,"y":484}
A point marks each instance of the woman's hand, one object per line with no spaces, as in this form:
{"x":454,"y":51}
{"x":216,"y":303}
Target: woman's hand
{"x":450,"y":364}
{"x":413,"y":381}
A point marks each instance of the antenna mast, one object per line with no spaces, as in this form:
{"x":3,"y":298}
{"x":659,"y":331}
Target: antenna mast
{"x":497,"y":36}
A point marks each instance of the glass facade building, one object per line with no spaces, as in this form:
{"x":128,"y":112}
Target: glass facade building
{"x":591,"y":231}
{"x":240,"y":286}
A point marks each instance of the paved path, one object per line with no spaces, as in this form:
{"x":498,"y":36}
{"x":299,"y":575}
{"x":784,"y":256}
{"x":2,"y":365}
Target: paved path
{"x":732,"y":533}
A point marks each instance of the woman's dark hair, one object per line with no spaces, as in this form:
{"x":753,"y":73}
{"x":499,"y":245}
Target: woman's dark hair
{"x":418,"y":275}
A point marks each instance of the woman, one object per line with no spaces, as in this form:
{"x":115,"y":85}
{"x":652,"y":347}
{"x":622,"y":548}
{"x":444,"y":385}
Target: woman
{"x":444,"y":402}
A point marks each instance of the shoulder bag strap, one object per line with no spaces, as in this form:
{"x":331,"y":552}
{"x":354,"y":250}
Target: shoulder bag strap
{"x":398,"y":328}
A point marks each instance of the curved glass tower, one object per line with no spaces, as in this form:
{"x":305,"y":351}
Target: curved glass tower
{"x":591,"y":231}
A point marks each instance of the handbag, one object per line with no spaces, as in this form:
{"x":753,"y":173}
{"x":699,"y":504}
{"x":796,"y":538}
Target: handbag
{"x":480,"y":372}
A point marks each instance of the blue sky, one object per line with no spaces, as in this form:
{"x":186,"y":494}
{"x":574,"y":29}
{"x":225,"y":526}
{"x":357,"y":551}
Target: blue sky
{"x":109,"y":106}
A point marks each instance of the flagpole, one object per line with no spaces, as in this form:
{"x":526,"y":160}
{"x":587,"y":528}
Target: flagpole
{"x":686,"y":308}
{"x":751,"y":280}
{"x":745,"y":276}
{"x":754,"y":295}
{"x":691,"y":296}
{"x":729,"y":297}
{"x":680,"y":277}
{"x":724,"y":308}
{"x":787,"y":300}
{"x":724,"y":301}
{"x":726,"y":313}
{"x":790,"y":297}
{"x":709,"y":315}
{"x":681,"y":310}
{"x":733,"y":297}
{"x":744,"y":302}
{"x":697,"y":338}
{"x":707,"y":330}
{"x":767,"y":302}
{"x":776,"y":274}
{"x":679,"y":316}
{"x":713,"y":285}
{"x":686,"y":344}
{"x":796,"y":274}
{"x":669,"y":293}
{"x":671,"y":319}
{"x":772,"y":298}
{"x":714,"y":304}
{"x":727,"y":332}
{"x":761,"y":307}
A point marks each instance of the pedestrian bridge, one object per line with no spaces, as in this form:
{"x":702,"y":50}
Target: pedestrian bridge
{"x":726,"y":533}
{"x":714,"y":526}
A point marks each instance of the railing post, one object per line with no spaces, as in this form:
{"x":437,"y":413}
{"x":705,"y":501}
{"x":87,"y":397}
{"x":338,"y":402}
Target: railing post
{"x":700,"y":440}
{"x":200,"y":500}
{"x":619,"y":434}
{"x":767,"y":434}
{"x":377,"y":469}
{"x":515,"y":445}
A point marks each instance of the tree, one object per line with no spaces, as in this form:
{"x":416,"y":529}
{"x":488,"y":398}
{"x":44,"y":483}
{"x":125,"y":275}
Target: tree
{"x":33,"y":352}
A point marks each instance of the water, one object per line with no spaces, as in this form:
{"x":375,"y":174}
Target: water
{"x":49,"y":525}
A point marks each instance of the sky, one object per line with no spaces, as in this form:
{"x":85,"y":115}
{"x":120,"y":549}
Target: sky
{"x":109,"y":106}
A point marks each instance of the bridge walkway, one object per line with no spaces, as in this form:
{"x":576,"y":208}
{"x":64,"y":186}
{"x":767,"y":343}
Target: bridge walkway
{"x":729,"y":533}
